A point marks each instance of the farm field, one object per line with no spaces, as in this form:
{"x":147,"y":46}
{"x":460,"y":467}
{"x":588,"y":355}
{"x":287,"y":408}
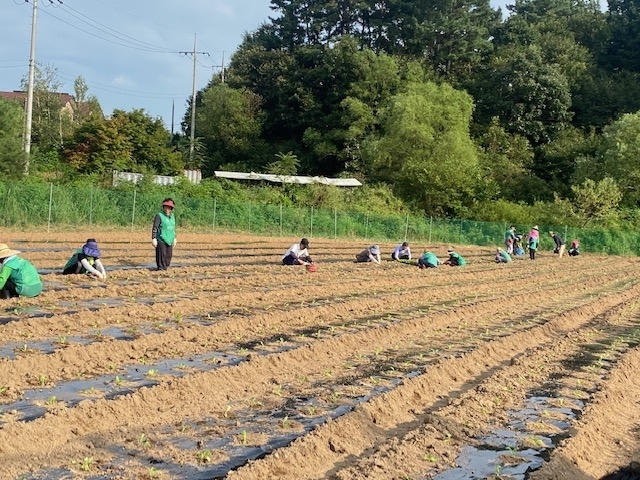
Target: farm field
{"x":230,"y":365}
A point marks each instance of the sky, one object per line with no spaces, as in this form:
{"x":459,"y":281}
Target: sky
{"x":128,"y":51}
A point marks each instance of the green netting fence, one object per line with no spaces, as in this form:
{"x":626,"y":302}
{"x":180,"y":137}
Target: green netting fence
{"x":34,"y":205}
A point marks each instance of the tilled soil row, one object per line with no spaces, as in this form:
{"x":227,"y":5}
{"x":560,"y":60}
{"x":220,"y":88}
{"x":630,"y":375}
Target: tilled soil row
{"x":200,"y":394}
{"x":438,"y":434}
{"x":332,"y":446}
{"x":102,"y":357}
{"x":607,"y":432}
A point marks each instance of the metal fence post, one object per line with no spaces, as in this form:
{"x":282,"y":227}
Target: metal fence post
{"x":366,"y":228}
{"x":406,"y":228}
{"x":249,"y":217}
{"x":460,"y":235}
{"x":133,"y":210}
{"x":213,"y":224}
{"x":311,"y":222}
{"x":565,"y":233}
{"x":91,"y":207}
{"x":335,"y":223}
{"x":280,"y":219}
{"x":50,"y":204}
{"x":430,"y":227}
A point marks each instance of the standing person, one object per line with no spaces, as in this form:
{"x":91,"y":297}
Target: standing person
{"x":163,"y":234}
{"x":502,"y":256}
{"x":401,"y":252}
{"x":18,"y":277}
{"x":455,"y":259}
{"x":428,"y":260}
{"x":369,"y":254}
{"x":534,"y":241}
{"x":298,"y":254}
{"x":510,"y":238}
{"x":574,"y":250}
{"x":560,"y":244}
{"x":86,"y":260}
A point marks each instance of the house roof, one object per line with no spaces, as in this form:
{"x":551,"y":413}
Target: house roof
{"x":20,"y":96}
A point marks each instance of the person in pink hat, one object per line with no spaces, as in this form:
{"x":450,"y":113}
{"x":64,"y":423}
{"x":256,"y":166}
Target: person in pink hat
{"x":534,"y":241}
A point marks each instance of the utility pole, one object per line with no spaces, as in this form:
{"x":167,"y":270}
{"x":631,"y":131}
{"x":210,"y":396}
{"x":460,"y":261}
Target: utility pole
{"x":32,"y":67}
{"x":193,"y":96}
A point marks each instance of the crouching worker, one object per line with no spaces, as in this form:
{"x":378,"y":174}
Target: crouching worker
{"x":18,"y":277}
{"x":502,"y":256}
{"x":86,"y":260}
{"x":369,"y":254}
{"x":574,"y":251}
{"x":455,"y":259}
{"x":401,"y":252}
{"x":298,"y":254}
{"x":428,"y":260}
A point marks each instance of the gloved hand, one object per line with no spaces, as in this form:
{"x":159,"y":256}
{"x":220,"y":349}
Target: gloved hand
{"x":154,"y":242}
{"x":175,"y":240}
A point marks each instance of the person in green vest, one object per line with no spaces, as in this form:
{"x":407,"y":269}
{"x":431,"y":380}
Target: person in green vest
{"x":455,"y":259}
{"x":163,"y":234}
{"x":18,"y":277}
{"x":86,"y":260}
{"x":502,"y":256}
{"x":428,"y":260}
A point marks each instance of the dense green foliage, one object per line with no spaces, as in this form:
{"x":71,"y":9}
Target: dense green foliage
{"x":453,"y":109}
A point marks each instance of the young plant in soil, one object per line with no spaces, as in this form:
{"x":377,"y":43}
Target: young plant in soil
{"x":204,"y":456}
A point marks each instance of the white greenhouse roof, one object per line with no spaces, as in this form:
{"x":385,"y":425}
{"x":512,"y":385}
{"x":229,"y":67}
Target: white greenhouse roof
{"x":338,"y":182}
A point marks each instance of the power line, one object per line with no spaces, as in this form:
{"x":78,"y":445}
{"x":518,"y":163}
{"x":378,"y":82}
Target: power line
{"x":124,"y":37}
{"x":107,"y":39}
{"x":130,"y":93}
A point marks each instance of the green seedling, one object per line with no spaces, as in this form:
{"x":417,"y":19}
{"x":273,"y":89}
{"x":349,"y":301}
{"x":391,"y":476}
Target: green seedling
{"x":3,"y":390}
{"x":154,"y":472}
{"x":42,"y":380}
{"x":447,"y":437}
{"x":86,"y":464}
{"x":311,"y":410}
{"x":243,"y":435}
{"x":62,"y":340}
{"x":277,"y":391}
{"x":152,"y":373}
{"x":227,"y":412}
{"x":326,"y":373}
{"x":204,"y":456}
{"x":143,"y":441}
{"x":430,"y":458}
{"x":118,"y":381}
{"x":51,"y":401}
{"x":285,"y":422}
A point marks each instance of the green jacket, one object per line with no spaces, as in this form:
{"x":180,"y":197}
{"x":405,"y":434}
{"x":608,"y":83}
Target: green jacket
{"x":74,"y":261}
{"x":456,"y":259}
{"x":23,"y":275}
{"x":167,"y":229}
{"x":430,"y":258}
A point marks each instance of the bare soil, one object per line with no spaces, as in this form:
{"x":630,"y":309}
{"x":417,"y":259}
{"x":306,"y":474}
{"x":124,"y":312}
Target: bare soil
{"x":232,"y":365}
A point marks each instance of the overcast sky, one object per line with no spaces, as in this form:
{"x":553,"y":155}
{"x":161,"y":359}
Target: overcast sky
{"x":128,"y":50}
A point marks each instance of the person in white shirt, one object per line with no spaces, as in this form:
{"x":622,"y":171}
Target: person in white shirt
{"x":298,"y":254}
{"x":401,"y":252}
{"x":369,"y":254}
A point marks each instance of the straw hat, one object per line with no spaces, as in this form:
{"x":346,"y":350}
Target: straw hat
{"x":6,"y":251}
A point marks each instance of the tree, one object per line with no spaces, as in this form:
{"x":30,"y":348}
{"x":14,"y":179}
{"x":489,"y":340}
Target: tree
{"x":620,"y":156}
{"x":12,"y":157}
{"x":286,"y":165}
{"x":595,"y":201}
{"x":130,"y":141}
{"x":425,"y":150}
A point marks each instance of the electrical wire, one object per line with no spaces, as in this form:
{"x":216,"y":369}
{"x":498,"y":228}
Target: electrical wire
{"x":106,"y":29}
{"x":106,"y":39}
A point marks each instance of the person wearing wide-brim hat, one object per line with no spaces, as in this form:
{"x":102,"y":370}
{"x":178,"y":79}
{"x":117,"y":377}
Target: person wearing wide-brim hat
{"x":534,"y":241}
{"x":369,"y":254}
{"x":86,"y":260}
{"x":163,"y":234}
{"x":18,"y":277}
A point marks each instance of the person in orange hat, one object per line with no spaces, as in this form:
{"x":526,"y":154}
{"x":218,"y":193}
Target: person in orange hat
{"x":163,"y":234}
